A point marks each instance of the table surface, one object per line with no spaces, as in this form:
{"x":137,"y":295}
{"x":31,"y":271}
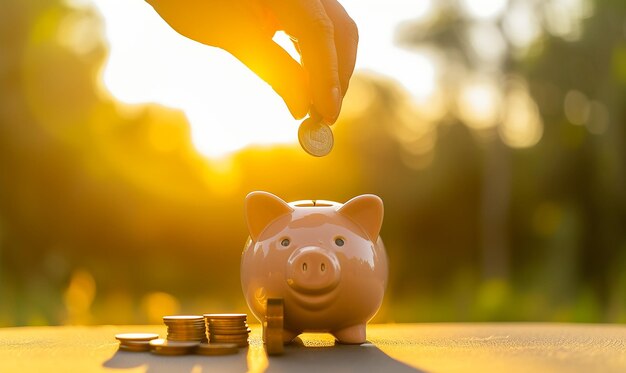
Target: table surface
{"x":506,"y":347}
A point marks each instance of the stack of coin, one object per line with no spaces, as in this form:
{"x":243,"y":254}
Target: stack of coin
{"x":185,"y":328}
{"x":227,"y":328}
{"x":273,"y":326}
{"x":135,"y":342}
{"x":167,"y":347}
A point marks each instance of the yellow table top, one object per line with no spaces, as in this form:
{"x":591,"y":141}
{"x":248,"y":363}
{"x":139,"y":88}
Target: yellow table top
{"x":506,"y":347}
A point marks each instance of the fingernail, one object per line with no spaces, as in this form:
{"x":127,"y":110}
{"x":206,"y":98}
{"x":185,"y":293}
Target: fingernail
{"x":336,"y":99}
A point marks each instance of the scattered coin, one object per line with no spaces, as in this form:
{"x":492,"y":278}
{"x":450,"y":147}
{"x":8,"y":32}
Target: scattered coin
{"x":315,"y":137}
{"x":135,"y":337}
{"x":273,"y":326}
{"x":135,"y":342}
{"x":166,"y":347}
{"x":213,"y":349}
{"x":135,"y":346}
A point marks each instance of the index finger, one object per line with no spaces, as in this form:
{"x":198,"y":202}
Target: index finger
{"x":346,"y":41}
{"x":309,"y":23}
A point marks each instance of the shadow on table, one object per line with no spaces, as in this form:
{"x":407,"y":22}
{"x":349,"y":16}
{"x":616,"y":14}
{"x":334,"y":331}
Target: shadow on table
{"x":337,"y":358}
{"x":297,"y":358}
{"x":171,"y":364}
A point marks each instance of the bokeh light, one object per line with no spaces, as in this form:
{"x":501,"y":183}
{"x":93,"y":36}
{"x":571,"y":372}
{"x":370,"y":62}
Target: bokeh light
{"x":522,"y":126}
{"x":479,"y":103}
{"x":491,"y":130}
{"x":486,"y":9}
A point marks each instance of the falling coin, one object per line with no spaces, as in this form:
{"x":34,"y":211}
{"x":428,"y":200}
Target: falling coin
{"x":315,"y":137}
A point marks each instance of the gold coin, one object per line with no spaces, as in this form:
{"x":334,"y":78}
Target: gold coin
{"x":274,"y":343}
{"x":175,"y":338}
{"x":182,"y":318}
{"x":213,"y":349}
{"x":238,"y":343}
{"x":275,"y":308}
{"x":186,"y":334}
{"x":242,"y":337}
{"x":231,"y":336}
{"x":141,"y":347}
{"x":129,"y":345}
{"x":228,"y":331}
{"x":165,"y":347}
{"x":221,"y":326}
{"x":274,"y":323}
{"x":227,"y":316}
{"x":186,"y":330}
{"x":273,"y":326}
{"x":217,"y":322}
{"x":315,"y":137}
{"x":136,"y":337}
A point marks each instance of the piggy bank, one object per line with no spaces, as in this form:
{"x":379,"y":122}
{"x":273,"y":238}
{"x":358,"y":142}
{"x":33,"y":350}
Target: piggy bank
{"x":324,"y":259}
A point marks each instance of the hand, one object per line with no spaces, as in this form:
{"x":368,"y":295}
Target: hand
{"x":324,"y":35}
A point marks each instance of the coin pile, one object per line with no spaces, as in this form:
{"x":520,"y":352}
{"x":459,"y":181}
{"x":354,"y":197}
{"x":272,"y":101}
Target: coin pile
{"x":227,"y":328}
{"x":186,"y":334}
{"x":135,"y":342}
{"x":315,"y":137}
{"x":273,"y":326}
{"x":185,"y":328}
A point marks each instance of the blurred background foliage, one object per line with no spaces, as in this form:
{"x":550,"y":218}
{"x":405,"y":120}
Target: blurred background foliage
{"x":505,"y":192}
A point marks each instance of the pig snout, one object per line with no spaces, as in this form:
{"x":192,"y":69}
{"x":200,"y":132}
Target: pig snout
{"x":313,"y":270}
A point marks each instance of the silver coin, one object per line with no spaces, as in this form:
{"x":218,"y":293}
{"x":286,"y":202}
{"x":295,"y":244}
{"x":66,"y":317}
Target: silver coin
{"x":315,"y":137}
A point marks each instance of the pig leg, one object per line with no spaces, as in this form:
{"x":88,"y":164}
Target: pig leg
{"x":351,"y":335}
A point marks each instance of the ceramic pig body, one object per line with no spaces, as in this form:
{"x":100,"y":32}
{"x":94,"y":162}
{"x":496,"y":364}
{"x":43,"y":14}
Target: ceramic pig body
{"x":326,"y":260}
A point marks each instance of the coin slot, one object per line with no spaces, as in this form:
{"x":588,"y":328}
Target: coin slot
{"x":304,"y":267}
{"x":313,"y":203}
{"x":323,"y":267}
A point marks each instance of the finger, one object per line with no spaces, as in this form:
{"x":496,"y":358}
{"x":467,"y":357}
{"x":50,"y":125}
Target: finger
{"x":307,"y":21}
{"x":275,"y":66}
{"x":346,"y":41}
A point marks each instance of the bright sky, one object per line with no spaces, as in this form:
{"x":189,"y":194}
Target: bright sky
{"x":228,"y":107}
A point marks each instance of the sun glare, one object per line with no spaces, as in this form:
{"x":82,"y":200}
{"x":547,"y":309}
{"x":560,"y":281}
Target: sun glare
{"x":227,"y":106}
{"x":484,"y":9}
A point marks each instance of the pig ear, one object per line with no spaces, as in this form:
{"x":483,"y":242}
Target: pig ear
{"x":261,"y":208}
{"x":366,"y":211}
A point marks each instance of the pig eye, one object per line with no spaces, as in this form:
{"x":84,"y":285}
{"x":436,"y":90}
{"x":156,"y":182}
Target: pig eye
{"x":284,"y":242}
{"x":339,"y":241}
